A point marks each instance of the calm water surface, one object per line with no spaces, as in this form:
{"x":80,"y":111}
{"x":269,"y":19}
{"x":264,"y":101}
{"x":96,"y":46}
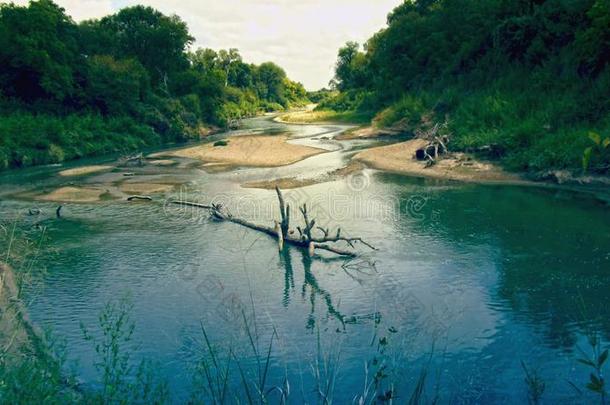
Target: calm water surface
{"x":468,"y":279}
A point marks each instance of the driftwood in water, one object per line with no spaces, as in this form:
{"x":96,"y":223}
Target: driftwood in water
{"x":133,"y":160}
{"x":282,"y":231}
{"x":139,"y":197}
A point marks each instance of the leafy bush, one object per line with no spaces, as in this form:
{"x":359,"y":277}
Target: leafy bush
{"x":30,"y":139}
{"x":352,"y":100}
{"x":408,"y":110}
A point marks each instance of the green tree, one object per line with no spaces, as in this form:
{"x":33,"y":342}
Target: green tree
{"x":116,"y":87}
{"x":350,"y":67}
{"x":270,"y":83}
{"x":38,"y":52}
{"x":159,"y":42}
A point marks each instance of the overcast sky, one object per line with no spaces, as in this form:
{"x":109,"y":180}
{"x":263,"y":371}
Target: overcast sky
{"x":301,"y":36}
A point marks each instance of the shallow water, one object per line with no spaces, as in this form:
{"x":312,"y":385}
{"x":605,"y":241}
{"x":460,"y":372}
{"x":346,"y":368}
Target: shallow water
{"x":469,"y":280}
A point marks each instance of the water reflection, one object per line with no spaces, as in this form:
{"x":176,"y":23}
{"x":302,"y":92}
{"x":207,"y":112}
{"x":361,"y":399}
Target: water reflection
{"x":310,"y":290}
{"x":550,"y":250}
{"x":505,"y":273}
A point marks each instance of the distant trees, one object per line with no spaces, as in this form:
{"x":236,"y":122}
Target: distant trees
{"x":134,"y":65}
{"x":350,"y":70}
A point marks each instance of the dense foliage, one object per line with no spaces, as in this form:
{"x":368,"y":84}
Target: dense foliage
{"x":119,"y":83}
{"x":530,"y":77}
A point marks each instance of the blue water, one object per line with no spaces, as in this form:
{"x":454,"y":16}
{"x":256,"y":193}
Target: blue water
{"x":468,"y":281}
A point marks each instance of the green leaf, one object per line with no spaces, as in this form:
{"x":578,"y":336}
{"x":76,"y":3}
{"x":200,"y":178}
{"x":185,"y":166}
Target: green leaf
{"x":606,"y":143}
{"x":586,"y":362}
{"x":595,"y":138}
{"x":602,"y":358}
{"x":596,"y":384}
{"x":593,"y":387}
{"x":586,"y":158}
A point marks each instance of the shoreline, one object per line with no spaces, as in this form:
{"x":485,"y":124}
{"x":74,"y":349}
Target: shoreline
{"x":27,"y":337}
{"x":399,"y":158}
{"x":494,"y":174}
{"x":113,"y":181}
{"x":248,"y":151}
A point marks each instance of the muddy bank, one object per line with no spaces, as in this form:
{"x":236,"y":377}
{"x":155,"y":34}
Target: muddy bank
{"x":325,"y":117}
{"x":19,"y":338}
{"x":14,"y":334}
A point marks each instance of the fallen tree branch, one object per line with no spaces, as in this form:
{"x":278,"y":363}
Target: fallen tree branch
{"x":139,"y":197}
{"x":192,"y":204}
{"x":303,"y":240}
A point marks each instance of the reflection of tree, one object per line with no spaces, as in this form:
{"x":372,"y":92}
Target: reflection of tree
{"x":286,"y":261}
{"x":549,"y":249}
{"x":315,"y":289}
{"x":310,"y":286}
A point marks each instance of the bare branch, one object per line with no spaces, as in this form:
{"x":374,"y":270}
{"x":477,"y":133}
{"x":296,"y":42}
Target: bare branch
{"x":304,"y":240}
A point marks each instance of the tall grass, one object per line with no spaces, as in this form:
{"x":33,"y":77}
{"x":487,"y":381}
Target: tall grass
{"x":320,"y":116}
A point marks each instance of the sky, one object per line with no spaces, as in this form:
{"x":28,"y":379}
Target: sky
{"x":301,"y":36}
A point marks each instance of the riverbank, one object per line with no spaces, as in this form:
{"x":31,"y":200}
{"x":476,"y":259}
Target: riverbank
{"x":367,"y":132}
{"x":162,"y":172}
{"x":287,"y":183}
{"x":400,"y":158}
{"x":21,"y":342}
{"x":311,"y":116}
{"x":14,"y":327}
{"x":246,"y":150}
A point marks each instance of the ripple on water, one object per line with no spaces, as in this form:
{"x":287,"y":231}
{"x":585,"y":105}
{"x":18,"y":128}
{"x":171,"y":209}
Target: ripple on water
{"x":487,"y":276}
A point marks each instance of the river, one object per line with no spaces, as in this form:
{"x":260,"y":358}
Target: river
{"x":468,"y":281}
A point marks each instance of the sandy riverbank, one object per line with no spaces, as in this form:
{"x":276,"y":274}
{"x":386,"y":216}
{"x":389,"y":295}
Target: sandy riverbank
{"x":310,"y":116}
{"x":366,"y":132}
{"x":287,"y":183}
{"x":82,"y":171}
{"x":400,"y":158}
{"x":248,"y":150}
{"x":74,"y":194}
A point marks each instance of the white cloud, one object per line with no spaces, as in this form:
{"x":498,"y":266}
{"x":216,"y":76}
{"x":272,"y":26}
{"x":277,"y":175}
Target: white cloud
{"x":301,"y":36}
{"x":82,"y":9}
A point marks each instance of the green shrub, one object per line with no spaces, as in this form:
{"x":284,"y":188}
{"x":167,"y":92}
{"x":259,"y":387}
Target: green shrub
{"x":30,"y":139}
{"x":408,"y":110}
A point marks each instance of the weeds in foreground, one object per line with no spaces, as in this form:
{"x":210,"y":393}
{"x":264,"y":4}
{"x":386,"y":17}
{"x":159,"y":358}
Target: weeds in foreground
{"x":595,"y":361}
{"x":597,"y":150}
{"x":122,"y":383}
{"x":535,"y":384}
{"x":232,"y":378}
{"x":213,"y":374}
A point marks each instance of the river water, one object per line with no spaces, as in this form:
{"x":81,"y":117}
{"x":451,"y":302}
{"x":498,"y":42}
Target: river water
{"x":468,"y":281}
